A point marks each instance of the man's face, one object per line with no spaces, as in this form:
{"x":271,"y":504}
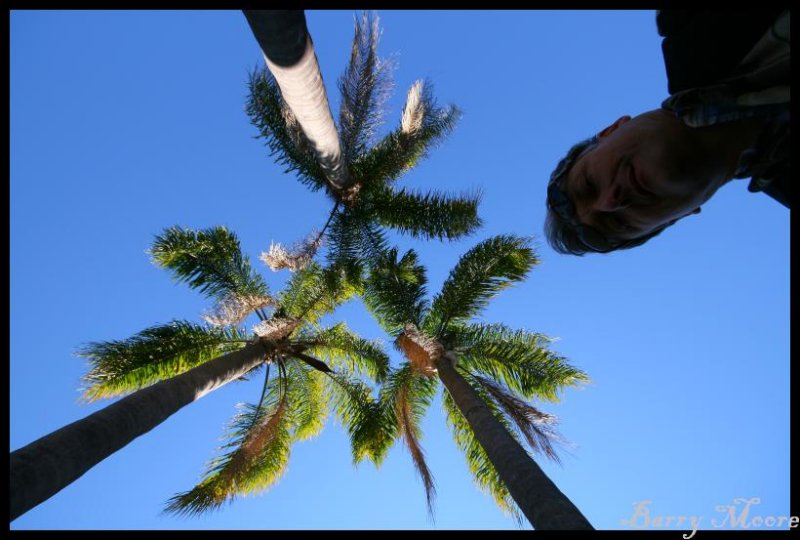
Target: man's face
{"x":643,"y":174}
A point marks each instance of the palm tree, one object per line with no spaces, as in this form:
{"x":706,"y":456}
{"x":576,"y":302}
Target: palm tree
{"x":166,"y":367}
{"x":488,"y":370}
{"x":364,"y":199}
{"x":289,"y":53}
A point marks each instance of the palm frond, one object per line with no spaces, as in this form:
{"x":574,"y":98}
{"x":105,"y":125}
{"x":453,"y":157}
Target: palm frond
{"x":305,"y":390}
{"x":344,"y":237}
{"x":484,"y":473}
{"x":430,"y":215}
{"x":283,"y":134}
{"x":518,"y":358}
{"x":366,"y":422}
{"x":408,"y":395}
{"x":209,"y":260}
{"x":343,"y":348}
{"x":365,"y":86}
{"x":354,"y":239}
{"x":315,"y":291}
{"x":260,"y":444}
{"x":395,"y":291}
{"x":424,"y":125}
{"x":373,"y":242}
{"x":535,"y":426}
{"x":479,"y":275}
{"x":154,"y":354}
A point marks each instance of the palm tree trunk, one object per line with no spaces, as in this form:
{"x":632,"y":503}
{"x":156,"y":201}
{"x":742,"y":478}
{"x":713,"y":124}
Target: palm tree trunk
{"x":289,"y":52}
{"x":47,"y":465}
{"x":545,"y":506}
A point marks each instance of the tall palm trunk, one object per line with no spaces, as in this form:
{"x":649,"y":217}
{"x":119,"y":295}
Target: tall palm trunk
{"x":47,"y":465}
{"x":537,"y":496}
{"x":289,"y":52}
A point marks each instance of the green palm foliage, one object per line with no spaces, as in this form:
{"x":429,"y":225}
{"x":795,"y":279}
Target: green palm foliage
{"x":370,"y":203}
{"x":505,"y":366}
{"x":309,"y":369}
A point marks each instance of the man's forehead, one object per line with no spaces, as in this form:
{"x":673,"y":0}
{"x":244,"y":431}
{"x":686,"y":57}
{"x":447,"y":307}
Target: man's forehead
{"x":571,"y":183}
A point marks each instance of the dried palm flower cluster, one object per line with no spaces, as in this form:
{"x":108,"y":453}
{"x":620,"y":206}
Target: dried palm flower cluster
{"x":294,"y":259}
{"x":414,"y":111}
{"x":276,"y":328}
{"x":233,"y":309}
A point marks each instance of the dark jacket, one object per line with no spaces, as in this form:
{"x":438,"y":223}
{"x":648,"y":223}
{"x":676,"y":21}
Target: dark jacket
{"x":703,"y":51}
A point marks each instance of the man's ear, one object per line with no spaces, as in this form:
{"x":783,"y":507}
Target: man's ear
{"x":613,"y":127}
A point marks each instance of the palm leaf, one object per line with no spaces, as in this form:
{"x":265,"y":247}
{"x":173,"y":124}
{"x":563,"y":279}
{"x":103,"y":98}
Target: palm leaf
{"x":361,"y":415}
{"x":305,"y":390}
{"x":260,"y":443}
{"x":534,"y":425}
{"x":365,"y":87}
{"x":399,"y":151}
{"x":408,"y":395}
{"x":517,"y":358}
{"x":209,"y":260}
{"x":373,"y":242}
{"x":430,"y":215}
{"x":154,"y":354}
{"x":283,"y":134}
{"x":479,"y":275}
{"x":344,"y":237}
{"x":344,"y":348}
{"x":315,"y":291}
{"x":395,"y":291}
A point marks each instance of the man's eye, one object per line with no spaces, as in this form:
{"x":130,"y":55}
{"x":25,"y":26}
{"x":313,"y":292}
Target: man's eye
{"x":588,"y":187}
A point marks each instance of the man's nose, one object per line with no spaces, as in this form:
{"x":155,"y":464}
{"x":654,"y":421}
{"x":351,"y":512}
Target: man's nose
{"x":612,"y":198}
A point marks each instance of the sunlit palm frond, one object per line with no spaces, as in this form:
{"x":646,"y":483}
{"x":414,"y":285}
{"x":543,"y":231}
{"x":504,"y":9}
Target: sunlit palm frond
{"x":315,"y":291}
{"x":346,"y":349}
{"x":429,"y":215}
{"x":305,"y":390}
{"x":209,"y":260}
{"x":423,"y":126}
{"x":395,"y":290}
{"x":152,"y":355}
{"x":518,"y":358}
{"x":484,"y":473}
{"x":277,"y":125}
{"x":366,"y":422}
{"x":365,"y":86}
{"x":408,"y":395}
{"x":260,"y":442}
{"x":479,"y":275}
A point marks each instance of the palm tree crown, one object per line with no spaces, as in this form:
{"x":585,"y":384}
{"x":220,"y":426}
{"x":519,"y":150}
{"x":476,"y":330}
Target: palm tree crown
{"x":369,"y":201}
{"x":299,"y":387}
{"x":504,"y":366}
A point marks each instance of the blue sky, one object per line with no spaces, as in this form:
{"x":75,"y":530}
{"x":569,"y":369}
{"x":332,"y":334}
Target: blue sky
{"x":124,"y":123}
